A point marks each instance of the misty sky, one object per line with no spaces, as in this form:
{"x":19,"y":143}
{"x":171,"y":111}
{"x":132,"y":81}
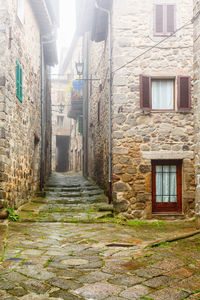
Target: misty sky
{"x":67,"y":23}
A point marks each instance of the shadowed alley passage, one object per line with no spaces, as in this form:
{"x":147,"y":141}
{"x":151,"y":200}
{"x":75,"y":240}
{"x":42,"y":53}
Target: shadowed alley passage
{"x":68,"y":246}
{"x":62,"y":157}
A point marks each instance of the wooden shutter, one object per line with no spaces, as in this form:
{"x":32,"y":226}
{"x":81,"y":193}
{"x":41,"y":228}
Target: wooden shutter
{"x":145,"y":92}
{"x":158,"y":19}
{"x":170,"y":18}
{"x":19,"y":81}
{"x":184,"y":93}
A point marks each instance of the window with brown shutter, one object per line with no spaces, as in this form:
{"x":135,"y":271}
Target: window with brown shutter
{"x":184,"y":93}
{"x":158,"y":94}
{"x":164,"y":19}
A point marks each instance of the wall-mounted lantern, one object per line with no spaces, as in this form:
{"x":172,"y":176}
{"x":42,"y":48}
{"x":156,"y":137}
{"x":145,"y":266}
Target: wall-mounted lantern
{"x":61,"y":108}
{"x":79,"y":68}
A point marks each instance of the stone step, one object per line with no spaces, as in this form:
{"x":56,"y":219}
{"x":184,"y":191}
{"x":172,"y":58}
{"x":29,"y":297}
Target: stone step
{"x":59,"y":189}
{"x":74,"y":194}
{"x":78,"y":189}
{"x":69,"y":195}
{"x":74,"y":189}
{"x":98,"y":207}
{"x":91,"y":188}
{"x":53,"y":185}
{"x":67,"y":201}
{"x":168,"y":216}
{"x":66,"y":217}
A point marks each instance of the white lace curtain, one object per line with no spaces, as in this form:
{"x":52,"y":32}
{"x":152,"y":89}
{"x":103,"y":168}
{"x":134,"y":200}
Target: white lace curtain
{"x":166,"y":184}
{"x":162,"y":94}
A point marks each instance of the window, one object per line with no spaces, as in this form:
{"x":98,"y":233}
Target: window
{"x":159,"y":93}
{"x":20,"y":10}
{"x":60,"y":121}
{"x":19,"y":79}
{"x":164,"y":19}
{"x":167,"y":186}
{"x":162,"y":93}
{"x":80,"y":125}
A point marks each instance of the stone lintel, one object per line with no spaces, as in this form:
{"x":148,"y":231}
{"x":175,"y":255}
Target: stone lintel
{"x":167,"y":154}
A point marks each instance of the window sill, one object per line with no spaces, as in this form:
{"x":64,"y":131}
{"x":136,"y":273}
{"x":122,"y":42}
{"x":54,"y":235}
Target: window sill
{"x":167,"y":111}
{"x":168,"y":214}
{"x":164,"y":35}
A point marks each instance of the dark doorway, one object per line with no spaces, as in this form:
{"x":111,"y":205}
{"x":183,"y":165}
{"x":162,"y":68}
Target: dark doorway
{"x":62,"y":153}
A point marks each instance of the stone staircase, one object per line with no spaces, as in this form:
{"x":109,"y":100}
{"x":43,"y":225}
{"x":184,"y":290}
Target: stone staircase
{"x":69,"y":198}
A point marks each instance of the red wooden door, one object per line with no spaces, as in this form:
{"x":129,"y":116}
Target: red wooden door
{"x":167,"y":186}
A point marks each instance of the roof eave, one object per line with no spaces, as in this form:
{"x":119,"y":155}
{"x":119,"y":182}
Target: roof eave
{"x":42,"y":15}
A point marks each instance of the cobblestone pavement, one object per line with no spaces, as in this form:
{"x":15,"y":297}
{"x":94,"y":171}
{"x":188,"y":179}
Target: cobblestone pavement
{"x":67,"y":246}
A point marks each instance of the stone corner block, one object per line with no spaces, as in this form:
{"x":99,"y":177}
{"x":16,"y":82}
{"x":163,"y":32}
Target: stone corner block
{"x":120,"y":150}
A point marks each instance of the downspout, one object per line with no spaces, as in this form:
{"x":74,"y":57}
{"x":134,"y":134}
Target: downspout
{"x":42,"y":117}
{"x":109,"y":101}
{"x":86,"y":104}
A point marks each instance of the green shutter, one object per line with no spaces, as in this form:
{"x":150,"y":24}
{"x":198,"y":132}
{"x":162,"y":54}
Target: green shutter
{"x":80,"y":125}
{"x":19,"y":80}
{"x":20,"y":84}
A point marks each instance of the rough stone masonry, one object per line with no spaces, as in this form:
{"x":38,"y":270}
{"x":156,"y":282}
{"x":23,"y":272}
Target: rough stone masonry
{"x":20,"y":121}
{"x":140,"y":137}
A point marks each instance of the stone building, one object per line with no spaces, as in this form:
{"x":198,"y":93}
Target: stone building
{"x":196,"y":22}
{"x":74,"y":103}
{"x":146,"y":159}
{"x":60,"y":125}
{"x":28,"y":49}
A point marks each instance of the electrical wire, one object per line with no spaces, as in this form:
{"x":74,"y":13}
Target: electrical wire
{"x":154,"y":46}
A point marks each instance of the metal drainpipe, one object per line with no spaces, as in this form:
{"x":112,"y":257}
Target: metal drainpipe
{"x":42,"y":117}
{"x":109,"y":101}
{"x":86,"y":104}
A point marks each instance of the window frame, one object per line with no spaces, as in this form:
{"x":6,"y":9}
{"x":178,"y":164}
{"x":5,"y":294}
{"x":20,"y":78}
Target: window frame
{"x":165,"y":32}
{"x":174,"y":94}
{"x":165,"y":207}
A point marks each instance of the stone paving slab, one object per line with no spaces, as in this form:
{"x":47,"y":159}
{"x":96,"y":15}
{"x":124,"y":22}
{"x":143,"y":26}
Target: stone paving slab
{"x":107,"y":260}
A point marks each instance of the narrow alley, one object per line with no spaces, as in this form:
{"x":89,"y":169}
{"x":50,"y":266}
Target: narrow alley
{"x":68,"y":246}
{"x":100,"y":150}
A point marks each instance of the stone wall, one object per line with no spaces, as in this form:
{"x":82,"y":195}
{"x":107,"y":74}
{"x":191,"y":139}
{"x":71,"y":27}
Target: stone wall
{"x":140,"y":137}
{"x":197,"y":103}
{"x":98,"y":114}
{"x":47,"y":125}
{"x":20,"y":124}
